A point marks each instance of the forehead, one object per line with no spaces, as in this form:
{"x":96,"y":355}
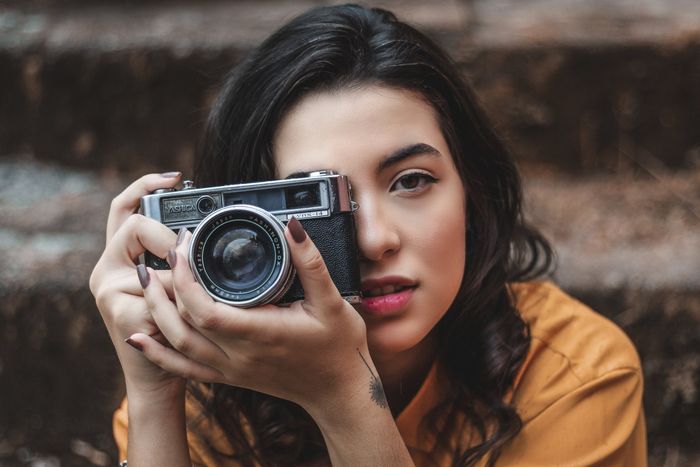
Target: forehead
{"x":352,"y":129}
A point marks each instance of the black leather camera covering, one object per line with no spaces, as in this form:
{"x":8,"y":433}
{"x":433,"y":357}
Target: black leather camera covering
{"x":335,"y":238}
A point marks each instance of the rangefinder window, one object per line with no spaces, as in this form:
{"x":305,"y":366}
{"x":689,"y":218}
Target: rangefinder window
{"x":269,"y":200}
{"x":303,"y":196}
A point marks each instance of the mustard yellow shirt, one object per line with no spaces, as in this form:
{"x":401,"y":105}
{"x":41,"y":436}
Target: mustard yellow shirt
{"x":578,"y":393}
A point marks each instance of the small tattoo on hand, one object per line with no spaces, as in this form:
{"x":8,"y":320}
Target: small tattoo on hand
{"x":376,"y":390}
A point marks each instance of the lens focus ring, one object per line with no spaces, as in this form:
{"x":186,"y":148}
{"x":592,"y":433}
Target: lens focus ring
{"x":240,"y":256}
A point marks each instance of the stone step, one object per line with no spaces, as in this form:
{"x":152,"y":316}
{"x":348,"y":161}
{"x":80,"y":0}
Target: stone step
{"x":598,"y":86}
{"x":628,"y":245}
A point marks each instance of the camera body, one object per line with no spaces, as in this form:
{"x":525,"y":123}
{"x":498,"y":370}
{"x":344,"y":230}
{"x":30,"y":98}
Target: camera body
{"x":238,"y":251}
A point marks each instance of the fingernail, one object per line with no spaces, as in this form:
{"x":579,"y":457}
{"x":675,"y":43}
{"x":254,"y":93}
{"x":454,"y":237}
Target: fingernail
{"x":172,"y":258}
{"x":180,"y":236}
{"x":297,"y":231}
{"x":144,"y":276}
{"x":171,"y":174}
{"x":134,"y":344}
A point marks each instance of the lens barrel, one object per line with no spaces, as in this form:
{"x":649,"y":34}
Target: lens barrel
{"x":240,"y":256}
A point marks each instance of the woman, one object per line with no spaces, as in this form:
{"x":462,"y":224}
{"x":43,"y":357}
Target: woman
{"x":451,"y":359}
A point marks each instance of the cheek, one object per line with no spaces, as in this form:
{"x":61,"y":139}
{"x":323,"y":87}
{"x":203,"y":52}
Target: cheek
{"x":440,"y":243}
{"x":442,"y":232}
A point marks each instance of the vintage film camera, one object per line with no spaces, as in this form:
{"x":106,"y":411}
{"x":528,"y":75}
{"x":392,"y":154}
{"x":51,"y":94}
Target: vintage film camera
{"x":238,"y":250}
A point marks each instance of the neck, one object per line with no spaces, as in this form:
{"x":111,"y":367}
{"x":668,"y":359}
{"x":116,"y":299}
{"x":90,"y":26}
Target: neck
{"x":403,"y":373}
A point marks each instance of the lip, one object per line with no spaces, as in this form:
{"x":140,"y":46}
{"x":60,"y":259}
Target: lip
{"x":389,"y":304}
{"x":379,"y":282}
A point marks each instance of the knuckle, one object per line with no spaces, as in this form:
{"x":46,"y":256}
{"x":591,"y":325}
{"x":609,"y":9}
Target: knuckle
{"x":157,"y":358}
{"x":134,"y":225}
{"x":315,"y":265}
{"x":185,"y":315}
{"x":103,"y":295}
{"x":237,"y":323}
{"x":127,"y":227}
{"x":117,"y":202}
{"x":134,"y":221}
{"x":121,"y":318}
{"x":207,"y":320}
{"x":94,"y":281}
{"x":271,"y":340}
{"x":188,"y":373}
{"x":151,"y":307}
{"x":182,"y":343}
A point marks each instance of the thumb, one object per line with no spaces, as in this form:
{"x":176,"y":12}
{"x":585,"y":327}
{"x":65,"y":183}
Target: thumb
{"x":319,"y":290}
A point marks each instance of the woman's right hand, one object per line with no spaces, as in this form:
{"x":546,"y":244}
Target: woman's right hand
{"x":115,"y":285}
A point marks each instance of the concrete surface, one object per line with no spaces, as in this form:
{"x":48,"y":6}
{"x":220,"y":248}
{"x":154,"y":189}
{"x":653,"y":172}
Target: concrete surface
{"x":92,"y":85}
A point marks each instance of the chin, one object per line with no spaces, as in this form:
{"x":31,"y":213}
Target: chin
{"x":388,"y":338}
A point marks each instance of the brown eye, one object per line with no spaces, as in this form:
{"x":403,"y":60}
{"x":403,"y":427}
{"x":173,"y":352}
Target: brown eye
{"x":410,"y":181}
{"x":413,"y":182}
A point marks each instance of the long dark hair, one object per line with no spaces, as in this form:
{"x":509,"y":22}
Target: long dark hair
{"x":483,"y":339}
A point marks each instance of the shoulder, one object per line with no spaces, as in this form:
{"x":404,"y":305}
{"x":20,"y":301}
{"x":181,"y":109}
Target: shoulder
{"x":571,"y":346}
{"x":565,"y":331}
{"x":579,"y":390}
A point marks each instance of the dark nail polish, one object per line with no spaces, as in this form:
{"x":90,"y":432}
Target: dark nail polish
{"x":180,"y":236}
{"x":144,"y":276}
{"x":171,"y":174}
{"x":172,"y":259}
{"x":134,"y":344}
{"x":297,"y":231}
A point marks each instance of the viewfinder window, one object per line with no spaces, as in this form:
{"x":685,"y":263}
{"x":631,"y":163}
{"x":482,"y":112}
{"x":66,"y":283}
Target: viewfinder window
{"x":302,"y":196}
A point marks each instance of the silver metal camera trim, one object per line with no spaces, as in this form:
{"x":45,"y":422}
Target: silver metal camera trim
{"x":287,"y":272}
{"x":336,"y":187}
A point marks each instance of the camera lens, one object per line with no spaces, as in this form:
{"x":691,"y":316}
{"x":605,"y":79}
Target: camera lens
{"x":240,"y":256}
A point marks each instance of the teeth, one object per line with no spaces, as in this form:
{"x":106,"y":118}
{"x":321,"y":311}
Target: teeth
{"x":386,"y":290}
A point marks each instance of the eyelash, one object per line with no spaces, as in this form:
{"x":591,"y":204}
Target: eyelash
{"x":425,"y":180}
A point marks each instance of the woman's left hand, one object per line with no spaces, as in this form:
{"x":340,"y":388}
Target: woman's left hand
{"x":311,"y":353}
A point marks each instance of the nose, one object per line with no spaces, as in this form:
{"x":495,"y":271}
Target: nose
{"x":377,"y":235}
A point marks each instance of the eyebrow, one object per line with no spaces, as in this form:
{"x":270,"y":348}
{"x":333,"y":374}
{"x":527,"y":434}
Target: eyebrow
{"x":392,"y":159}
{"x":406,"y":152}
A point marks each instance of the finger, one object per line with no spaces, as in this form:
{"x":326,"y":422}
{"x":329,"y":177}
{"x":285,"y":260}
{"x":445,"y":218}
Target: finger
{"x":128,"y":201}
{"x":137,"y":235}
{"x":200,"y":309}
{"x":160,"y":338}
{"x":319,"y":290}
{"x":173,"y":361}
{"x":166,"y":280}
{"x":129,"y":283}
{"x":179,"y":334}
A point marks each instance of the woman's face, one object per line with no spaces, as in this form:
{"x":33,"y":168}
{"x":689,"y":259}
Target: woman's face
{"x":411,"y":220}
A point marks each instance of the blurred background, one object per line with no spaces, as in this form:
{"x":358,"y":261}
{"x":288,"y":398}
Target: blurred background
{"x":600,"y":101}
